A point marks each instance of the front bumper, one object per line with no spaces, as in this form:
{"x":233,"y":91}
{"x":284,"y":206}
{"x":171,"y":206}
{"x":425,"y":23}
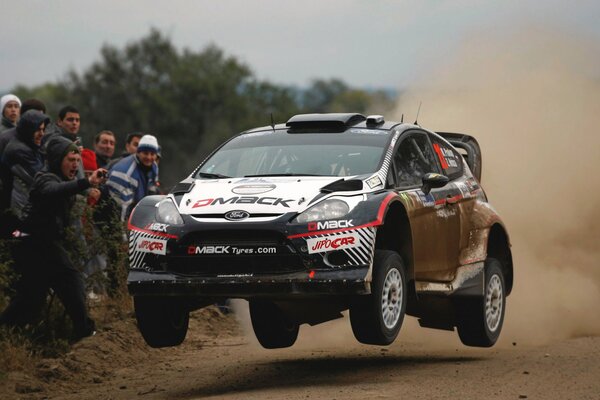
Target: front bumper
{"x":281,"y":286}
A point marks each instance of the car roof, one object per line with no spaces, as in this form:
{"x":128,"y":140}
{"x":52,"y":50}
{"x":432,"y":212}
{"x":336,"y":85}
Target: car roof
{"x":338,"y":122}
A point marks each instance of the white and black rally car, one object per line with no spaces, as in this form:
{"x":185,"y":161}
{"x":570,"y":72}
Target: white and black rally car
{"x":326,"y":213}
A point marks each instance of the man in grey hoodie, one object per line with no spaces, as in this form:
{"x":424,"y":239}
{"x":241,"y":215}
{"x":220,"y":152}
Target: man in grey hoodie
{"x":42,"y":258}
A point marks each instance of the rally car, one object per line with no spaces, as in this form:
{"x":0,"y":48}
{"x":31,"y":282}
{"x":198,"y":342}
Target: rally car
{"x":322,"y":214}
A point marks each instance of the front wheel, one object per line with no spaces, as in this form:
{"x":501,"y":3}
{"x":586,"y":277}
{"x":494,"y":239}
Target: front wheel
{"x":162,"y":321}
{"x":377,"y":318}
{"x":480,"y":319}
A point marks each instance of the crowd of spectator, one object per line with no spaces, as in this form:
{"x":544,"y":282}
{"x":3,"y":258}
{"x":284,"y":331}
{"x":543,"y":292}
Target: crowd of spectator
{"x":44,"y":172}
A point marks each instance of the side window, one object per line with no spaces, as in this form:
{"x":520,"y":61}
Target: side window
{"x":450,"y":160}
{"x":413,"y":159}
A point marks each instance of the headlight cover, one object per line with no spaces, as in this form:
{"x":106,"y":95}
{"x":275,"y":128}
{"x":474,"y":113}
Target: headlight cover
{"x":328,"y":209}
{"x":167,"y":213}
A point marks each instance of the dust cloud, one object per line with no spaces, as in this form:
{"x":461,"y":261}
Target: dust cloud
{"x":532,"y":99}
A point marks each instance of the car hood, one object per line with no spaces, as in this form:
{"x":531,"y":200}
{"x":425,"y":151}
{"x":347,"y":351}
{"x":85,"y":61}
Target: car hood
{"x":275,"y":195}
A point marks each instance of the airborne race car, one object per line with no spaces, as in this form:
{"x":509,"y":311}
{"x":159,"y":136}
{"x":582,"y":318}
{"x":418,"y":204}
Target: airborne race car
{"x":326,"y":213}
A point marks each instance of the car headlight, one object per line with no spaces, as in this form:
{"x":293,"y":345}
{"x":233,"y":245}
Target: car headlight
{"x":167,"y":213}
{"x":328,"y":209}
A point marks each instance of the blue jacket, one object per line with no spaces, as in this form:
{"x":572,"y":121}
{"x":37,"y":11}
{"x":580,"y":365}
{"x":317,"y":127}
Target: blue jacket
{"x":128,"y":183}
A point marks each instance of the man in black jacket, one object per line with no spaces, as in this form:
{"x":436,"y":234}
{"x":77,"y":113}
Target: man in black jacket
{"x":42,"y":258}
{"x":23,"y":158}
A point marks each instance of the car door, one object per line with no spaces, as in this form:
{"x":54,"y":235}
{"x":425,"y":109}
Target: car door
{"x":450,"y":202}
{"x":434,"y":221}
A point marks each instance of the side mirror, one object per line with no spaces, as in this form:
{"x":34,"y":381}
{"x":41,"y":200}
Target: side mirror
{"x":432,"y":180}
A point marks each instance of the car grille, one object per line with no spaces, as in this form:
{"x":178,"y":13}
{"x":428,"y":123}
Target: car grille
{"x":212,"y":262}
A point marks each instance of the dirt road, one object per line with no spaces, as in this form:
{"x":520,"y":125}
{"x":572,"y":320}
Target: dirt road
{"x":220,"y":359}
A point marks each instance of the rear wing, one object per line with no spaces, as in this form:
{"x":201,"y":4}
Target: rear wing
{"x":469,"y":149}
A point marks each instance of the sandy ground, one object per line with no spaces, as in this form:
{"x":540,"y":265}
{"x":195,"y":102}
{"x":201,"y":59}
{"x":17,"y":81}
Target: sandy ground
{"x":221,"y":359}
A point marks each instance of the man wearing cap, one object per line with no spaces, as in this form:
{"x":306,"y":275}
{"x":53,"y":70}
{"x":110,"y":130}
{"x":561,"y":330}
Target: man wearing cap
{"x":41,"y":257}
{"x":11,"y":110}
{"x":134,"y":177}
{"x":22,"y":156}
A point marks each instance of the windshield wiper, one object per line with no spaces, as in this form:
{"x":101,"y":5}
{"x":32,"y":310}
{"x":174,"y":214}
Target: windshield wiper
{"x":212,"y":176}
{"x":286,"y":174}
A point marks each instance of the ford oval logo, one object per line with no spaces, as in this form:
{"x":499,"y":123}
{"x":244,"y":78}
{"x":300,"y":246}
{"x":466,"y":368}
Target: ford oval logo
{"x":236,"y":215}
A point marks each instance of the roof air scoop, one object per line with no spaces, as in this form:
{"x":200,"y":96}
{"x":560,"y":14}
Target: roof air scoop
{"x":323,"y":122}
{"x":374,"y":120}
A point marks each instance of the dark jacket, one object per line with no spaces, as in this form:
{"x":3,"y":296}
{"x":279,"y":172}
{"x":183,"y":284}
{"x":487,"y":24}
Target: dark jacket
{"x":6,"y":124}
{"x":6,"y":180}
{"x":23,"y":157}
{"x":52,"y":195}
{"x":102,"y":161}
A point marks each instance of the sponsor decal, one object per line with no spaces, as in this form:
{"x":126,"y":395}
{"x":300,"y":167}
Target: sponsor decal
{"x":266,"y":201}
{"x":374,"y":182}
{"x":157,"y":226}
{"x":236,"y":215}
{"x":446,"y":156}
{"x":324,"y":225}
{"x":332,"y":242}
{"x":154,"y":246}
{"x":253,"y":189}
{"x":235,"y":276}
{"x":230,"y":250}
{"x":426,"y":199}
{"x":472,"y":185}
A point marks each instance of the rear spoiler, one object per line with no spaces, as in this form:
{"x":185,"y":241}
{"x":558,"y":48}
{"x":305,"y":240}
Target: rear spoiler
{"x":469,"y":149}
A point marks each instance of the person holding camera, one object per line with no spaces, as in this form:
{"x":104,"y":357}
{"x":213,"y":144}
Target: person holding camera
{"x":41,"y":257}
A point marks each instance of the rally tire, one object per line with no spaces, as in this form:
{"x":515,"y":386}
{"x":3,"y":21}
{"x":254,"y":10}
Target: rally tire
{"x":162,"y":321}
{"x":480,"y":319}
{"x":377,"y":318}
{"x":273,"y":329}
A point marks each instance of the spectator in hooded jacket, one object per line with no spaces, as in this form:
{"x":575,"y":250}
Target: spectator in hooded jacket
{"x":23,"y":158}
{"x":134,"y":177}
{"x":11,"y":110}
{"x":41,"y":257}
{"x":6,"y":178}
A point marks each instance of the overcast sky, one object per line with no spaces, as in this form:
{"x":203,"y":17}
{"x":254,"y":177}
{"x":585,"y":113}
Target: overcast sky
{"x":370,"y":43}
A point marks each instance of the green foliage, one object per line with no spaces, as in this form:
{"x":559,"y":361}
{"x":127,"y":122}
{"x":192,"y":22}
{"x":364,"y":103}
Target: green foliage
{"x":8,"y":276}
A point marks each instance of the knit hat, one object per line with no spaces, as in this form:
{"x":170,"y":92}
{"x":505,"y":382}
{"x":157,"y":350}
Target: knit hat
{"x":6,"y":98}
{"x":148,"y":143}
{"x":88,"y":158}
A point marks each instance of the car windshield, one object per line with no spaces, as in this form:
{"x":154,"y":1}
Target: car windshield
{"x":279,"y":153}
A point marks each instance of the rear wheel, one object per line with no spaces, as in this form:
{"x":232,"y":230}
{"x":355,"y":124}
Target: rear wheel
{"x":273,"y":329}
{"x":480,"y":319}
{"x":162,"y":321}
{"x":377,"y":318}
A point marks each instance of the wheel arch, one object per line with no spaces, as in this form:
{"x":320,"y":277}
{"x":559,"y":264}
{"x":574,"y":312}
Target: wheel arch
{"x":498,"y":247}
{"x":395,"y":234}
